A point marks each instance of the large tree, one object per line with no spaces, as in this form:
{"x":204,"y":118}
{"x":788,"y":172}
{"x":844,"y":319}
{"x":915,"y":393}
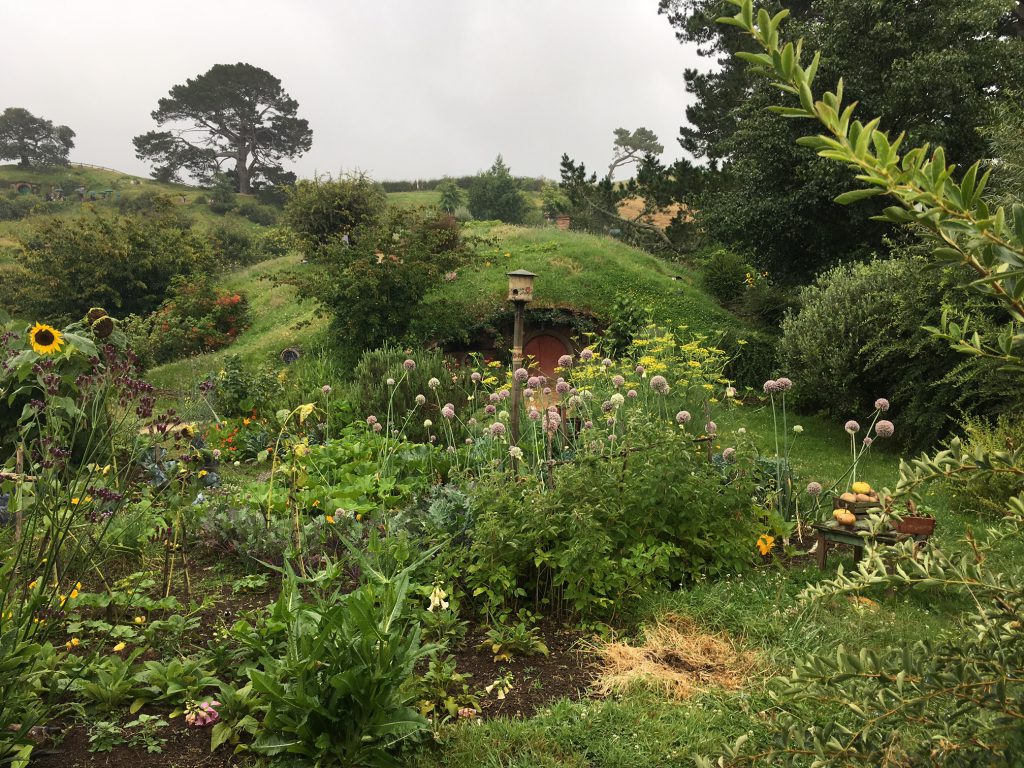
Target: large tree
{"x":235,"y":113}
{"x":33,"y":140}
{"x":494,"y":194}
{"x":933,"y":68}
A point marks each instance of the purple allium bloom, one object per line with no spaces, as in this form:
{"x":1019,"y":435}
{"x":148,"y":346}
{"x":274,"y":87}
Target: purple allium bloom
{"x":867,"y":442}
{"x":410,"y":365}
{"x":631,"y":393}
{"x":371,"y":419}
{"x":420,"y":399}
{"x":612,"y":437}
{"x":552,"y":420}
{"x":814,"y":489}
{"x":607,"y":407}
{"x":659,"y":384}
{"x":587,"y":354}
{"x":469,"y":441}
{"x":528,"y":392}
{"x":683,"y":417}
{"x":494,"y":397}
{"x":640,"y":369}
{"x":471,"y":422}
{"x":729,"y":455}
{"x":533,"y":382}
{"x":576,"y":401}
{"x":784,"y":384}
{"x":543,"y":379}
{"x":475,"y":377}
{"x":448,"y":411}
{"x":606,"y":362}
{"x":547,"y":390}
{"x":533,"y":415}
{"x":497,"y":429}
{"x":611,"y":422}
{"x":852,"y":427}
{"x":378,"y":427}
{"x":520,"y":375}
{"x":618,"y":381}
{"x":504,"y":394}
{"x":771,"y":387}
{"x":588,"y":424}
{"x":711,"y":428}
{"x":562,"y":387}
{"x":326,"y":389}
{"x":565,"y":361}
{"x":884,"y":428}
{"x":490,"y":409}
{"x":881,"y":404}
{"x":433,"y":383}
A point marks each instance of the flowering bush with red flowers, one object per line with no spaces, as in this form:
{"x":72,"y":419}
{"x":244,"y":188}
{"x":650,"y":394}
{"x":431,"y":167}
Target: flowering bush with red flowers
{"x":195,"y":318}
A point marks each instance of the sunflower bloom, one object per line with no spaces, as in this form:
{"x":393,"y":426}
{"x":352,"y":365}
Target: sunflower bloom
{"x":45,"y":339}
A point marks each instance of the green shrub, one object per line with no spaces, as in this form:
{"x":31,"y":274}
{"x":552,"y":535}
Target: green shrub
{"x":233,"y":244}
{"x":239,"y":391}
{"x":15,"y":207}
{"x":370,"y":394}
{"x":222,"y":195}
{"x":321,"y":209}
{"x":122,"y":263}
{"x":753,"y":357}
{"x":200,"y":199}
{"x":724,"y":276}
{"x":986,"y":490}
{"x":274,"y":242}
{"x":859,"y":336}
{"x":494,"y":194}
{"x":195,"y":318}
{"x":256,"y":213}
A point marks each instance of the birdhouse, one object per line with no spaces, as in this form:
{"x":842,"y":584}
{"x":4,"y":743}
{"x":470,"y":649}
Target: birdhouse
{"x":520,"y":285}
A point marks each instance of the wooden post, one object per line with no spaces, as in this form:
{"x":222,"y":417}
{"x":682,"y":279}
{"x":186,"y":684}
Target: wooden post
{"x":822,"y":552}
{"x":517,"y":362}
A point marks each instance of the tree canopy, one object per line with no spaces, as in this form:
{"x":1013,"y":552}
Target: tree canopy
{"x":936,"y":69}
{"x":494,"y":194}
{"x":33,"y":140}
{"x":233,"y":113}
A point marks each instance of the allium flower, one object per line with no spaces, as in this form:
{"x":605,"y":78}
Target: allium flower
{"x":371,"y":419}
{"x":528,"y":392}
{"x":428,"y":423}
{"x":410,"y":365}
{"x":612,"y":437}
{"x":378,"y":427}
{"x":868,"y":442}
{"x":659,"y":384}
{"x":476,"y":377}
{"x":588,"y":424}
{"x":390,"y":382}
{"x":552,"y":420}
{"x":503,"y":415}
{"x":562,"y":387}
{"x":784,"y":384}
{"x":533,"y":382}
{"x":533,"y":415}
{"x":884,"y":428}
{"x":631,"y":393}
{"x":216,"y":454}
{"x":494,"y":397}
{"x":469,"y":441}
{"x":471,"y":422}
{"x":814,"y":489}
{"x":497,"y":429}
{"x":607,"y":407}
{"x":640,"y":369}
{"x":504,"y":394}
{"x":547,"y":390}
{"x":565,"y":361}
{"x":448,"y":411}
{"x":618,"y":381}
{"x":520,"y":375}
{"x":515,"y":452}
{"x":587,"y":354}
{"x":711,"y":428}
{"x":852,"y":427}
{"x":575,"y":401}
{"x":683,"y":417}
{"x":326,"y":389}
{"x":730,"y":391}
{"x":490,"y":409}
{"x":881,"y":404}
{"x":606,"y":363}
{"x":421,"y":400}
{"x":617,"y":399}
{"x":729,"y":455}
{"x":771,"y":387}
{"x":433,"y":383}
{"x":797,"y":429}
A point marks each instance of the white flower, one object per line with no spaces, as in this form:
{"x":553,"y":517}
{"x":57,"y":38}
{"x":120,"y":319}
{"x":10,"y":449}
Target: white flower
{"x":797,"y":429}
{"x":433,"y":383}
{"x":437,"y":599}
{"x":515,"y":452}
{"x":391,"y":382}
{"x":741,"y":431}
{"x":420,"y":400}
{"x":428,"y":423}
{"x":617,"y":399}
{"x":730,"y":391}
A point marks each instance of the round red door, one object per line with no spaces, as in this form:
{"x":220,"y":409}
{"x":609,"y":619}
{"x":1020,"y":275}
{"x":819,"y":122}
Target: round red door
{"x":543,"y":352}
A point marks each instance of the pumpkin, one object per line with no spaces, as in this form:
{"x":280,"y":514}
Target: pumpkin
{"x":846,"y":518}
{"x":848,"y":496}
{"x":860,"y":487}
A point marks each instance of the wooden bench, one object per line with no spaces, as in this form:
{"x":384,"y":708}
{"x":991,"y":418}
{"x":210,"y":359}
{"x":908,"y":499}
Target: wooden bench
{"x":856,"y":535}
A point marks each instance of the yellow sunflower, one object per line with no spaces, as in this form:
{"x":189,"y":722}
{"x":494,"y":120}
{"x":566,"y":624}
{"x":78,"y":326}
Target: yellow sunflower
{"x":45,"y":339}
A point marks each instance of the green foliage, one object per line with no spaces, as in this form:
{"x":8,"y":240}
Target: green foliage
{"x":494,"y":194}
{"x":859,"y":336}
{"x":724,"y":276}
{"x":33,"y":140}
{"x":323,"y":209}
{"x":222,"y":194}
{"x":215,"y":117}
{"x":194,"y":318}
{"x":256,"y":213}
{"x":451,"y":196}
{"x":239,"y":390}
{"x":14,"y":207}
{"x":233,"y":245}
{"x":123,"y":263}
{"x":373,"y":285}
{"x":989,"y":490}
{"x":338,"y":693}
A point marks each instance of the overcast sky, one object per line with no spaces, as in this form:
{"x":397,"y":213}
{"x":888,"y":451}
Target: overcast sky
{"x":396,"y":88}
